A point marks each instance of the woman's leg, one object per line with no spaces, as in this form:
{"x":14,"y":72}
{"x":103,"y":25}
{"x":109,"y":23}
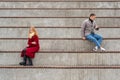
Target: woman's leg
{"x":24,"y":61}
{"x":30,"y":61}
{"x":24,"y":58}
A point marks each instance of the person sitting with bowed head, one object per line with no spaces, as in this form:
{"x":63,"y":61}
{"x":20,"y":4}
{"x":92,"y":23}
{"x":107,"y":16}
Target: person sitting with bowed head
{"x":33,"y":46}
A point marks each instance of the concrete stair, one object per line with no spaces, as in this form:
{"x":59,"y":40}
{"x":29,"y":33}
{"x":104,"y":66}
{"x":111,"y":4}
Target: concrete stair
{"x":59,"y":45}
{"x":59,"y":74}
{"x":64,"y":59}
{"x":56,"y":32}
{"x":64,"y":55}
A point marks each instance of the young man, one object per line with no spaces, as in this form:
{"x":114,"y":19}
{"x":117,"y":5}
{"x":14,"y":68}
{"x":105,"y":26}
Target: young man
{"x":87,"y":32}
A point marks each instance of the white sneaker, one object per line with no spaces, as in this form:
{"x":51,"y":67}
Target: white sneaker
{"x":95,"y":49}
{"x":102,"y":49}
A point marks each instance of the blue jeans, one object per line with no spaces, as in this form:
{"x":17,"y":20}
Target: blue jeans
{"x":97,"y":39}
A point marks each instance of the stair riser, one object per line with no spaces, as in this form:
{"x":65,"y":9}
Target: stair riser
{"x":59,"y":74}
{"x":56,"y":32}
{"x":59,"y":5}
{"x":56,"y":22}
{"x":58,"y":13}
{"x":59,"y":45}
{"x":64,"y":59}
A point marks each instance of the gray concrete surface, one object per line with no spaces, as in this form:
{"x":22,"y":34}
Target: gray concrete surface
{"x":59,"y":74}
{"x":59,"y":45}
{"x":56,"y":32}
{"x":59,"y":13}
{"x":59,"y":4}
{"x":9,"y":59}
{"x":64,"y":59}
{"x":73,"y":22}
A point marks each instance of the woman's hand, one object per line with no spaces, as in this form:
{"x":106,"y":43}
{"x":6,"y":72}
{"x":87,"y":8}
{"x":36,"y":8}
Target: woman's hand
{"x":33,"y":42}
{"x":31,"y":35}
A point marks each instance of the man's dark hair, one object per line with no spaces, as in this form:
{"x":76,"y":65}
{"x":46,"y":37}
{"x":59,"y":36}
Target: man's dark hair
{"x":92,"y":14}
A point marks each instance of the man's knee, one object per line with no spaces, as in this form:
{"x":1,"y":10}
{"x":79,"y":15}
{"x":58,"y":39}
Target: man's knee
{"x":101,"y":38}
{"x":92,"y":39}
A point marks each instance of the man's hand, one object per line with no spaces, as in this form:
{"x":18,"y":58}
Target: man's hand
{"x":96,"y":28}
{"x":83,"y":38}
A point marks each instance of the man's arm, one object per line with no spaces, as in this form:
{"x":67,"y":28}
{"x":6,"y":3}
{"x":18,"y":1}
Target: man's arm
{"x":96,"y":27}
{"x":83,"y":30}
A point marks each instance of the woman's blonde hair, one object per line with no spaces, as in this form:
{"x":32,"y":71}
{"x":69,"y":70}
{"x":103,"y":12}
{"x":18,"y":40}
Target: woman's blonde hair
{"x":34,"y":30}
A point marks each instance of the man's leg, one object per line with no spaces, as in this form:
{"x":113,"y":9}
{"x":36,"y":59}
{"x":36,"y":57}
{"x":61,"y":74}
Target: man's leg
{"x":93,"y":39}
{"x":98,"y":37}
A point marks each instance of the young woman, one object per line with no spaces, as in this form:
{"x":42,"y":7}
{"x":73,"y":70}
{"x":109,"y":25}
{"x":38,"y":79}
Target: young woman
{"x":33,"y":46}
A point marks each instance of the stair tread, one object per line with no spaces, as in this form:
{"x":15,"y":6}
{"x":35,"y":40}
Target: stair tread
{"x":59,"y":1}
{"x":80,"y":52}
{"x":63,"y":67}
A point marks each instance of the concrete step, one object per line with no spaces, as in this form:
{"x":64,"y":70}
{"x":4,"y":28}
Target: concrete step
{"x":57,"y":21}
{"x":83,"y":4}
{"x":58,"y":13}
{"x":64,"y":59}
{"x":67,"y":14}
{"x":56,"y":32}
{"x":59,"y":45}
{"x":59,"y":74}
{"x":58,"y":0}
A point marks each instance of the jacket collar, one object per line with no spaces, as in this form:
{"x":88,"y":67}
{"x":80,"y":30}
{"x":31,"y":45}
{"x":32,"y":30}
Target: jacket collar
{"x":91,"y":20}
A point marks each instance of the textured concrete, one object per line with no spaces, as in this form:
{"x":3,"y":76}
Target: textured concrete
{"x":64,"y":59}
{"x":59,"y":74}
{"x":56,"y":0}
{"x":59,"y":45}
{"x":56,"y":21}
{"x":56,"y":32}
{"x":59,"y":13}
{"x":59,"y":4}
